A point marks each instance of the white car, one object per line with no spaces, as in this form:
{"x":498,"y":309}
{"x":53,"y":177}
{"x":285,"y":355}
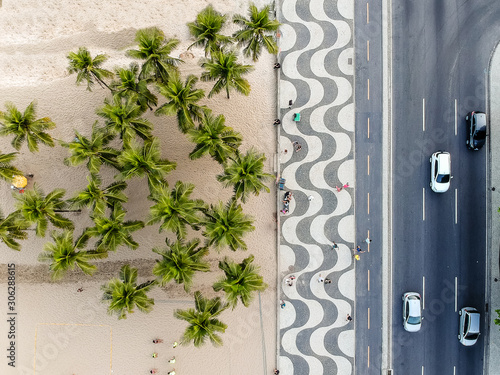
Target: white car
{"x":412,"y":312}
{"x":440,"y":171}
{"x":468,"y":331}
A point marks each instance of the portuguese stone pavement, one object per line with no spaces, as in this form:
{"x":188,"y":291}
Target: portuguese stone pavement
{"x":316,"y":81}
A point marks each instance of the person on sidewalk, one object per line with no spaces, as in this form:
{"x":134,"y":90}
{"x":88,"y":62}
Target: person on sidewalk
{"x":327,"y":280}
{"x":335,"y":246}
{"x":320,"y":279}
{"x":349,"y":318}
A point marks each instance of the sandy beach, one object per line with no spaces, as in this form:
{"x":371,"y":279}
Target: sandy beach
{"x":61,"y":331}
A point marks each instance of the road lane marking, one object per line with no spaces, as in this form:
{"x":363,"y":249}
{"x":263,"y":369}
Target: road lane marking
{"x":423,"y":204}
{"x":368,"y":357}
{"x":368,"y":318}
{"x":456,"y":206}
{"x":368,"y":83}
{"x":368,"y":164}
{"x":368,"y":127}
{"x":456,"y":293}
{"x":423,"y":292}
{"x":368,"y":284}
{"x":456,"y":122}
{"x":367,"y":13}
{"x":454,"y":370}
{"x":367,"y":50}
{"x":422,"y":370}
{"x":368,"y":243}
{"x":368,"y":204}
{"x":423,"y":114}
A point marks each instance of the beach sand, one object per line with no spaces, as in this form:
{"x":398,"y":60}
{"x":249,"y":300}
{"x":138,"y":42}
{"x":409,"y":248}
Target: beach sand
{"x":61,"y":331}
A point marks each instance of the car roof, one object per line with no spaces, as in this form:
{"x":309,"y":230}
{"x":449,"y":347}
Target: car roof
{"x":444,"y":163}
{"x":414,"y":306}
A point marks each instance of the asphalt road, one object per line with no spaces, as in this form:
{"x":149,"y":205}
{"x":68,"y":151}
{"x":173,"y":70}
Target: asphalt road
{"x":441,"y":50}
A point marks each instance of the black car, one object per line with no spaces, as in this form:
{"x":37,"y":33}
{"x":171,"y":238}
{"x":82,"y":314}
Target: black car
{"x":476,"y":130}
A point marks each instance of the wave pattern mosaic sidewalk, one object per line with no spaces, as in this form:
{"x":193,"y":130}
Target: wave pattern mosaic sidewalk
{"x":316,"y":81}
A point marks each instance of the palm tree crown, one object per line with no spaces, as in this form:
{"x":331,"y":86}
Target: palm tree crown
{"x":241,"y":281}
{"x":246,"y":175}
{"x":87,"y":68}
{"x":175,"y":208}
{"x":7,"y":170}
{"x":256,"y":31}
{"x":213,"y":137}
{"x":182,"y":100}
{"x":226,"y":226}
{"x":129,"y":84}
{"x":98,"y":199}
{"x":23,"y":126}
{"x":155,"y":50}
{"x":37,"y":208}
{"x":65,"y":255}
{"x":145,"y":161}
{"x":12,"y":228}
{"x":94,"y":150}
{"x":203,"y":322}
{"x":227,"y":72}
{"x":122,"y":117}
{"x":114,"y":231}
{"x":206,"y":30}
{"x":180,"y":261}
{"x":123,"y":294}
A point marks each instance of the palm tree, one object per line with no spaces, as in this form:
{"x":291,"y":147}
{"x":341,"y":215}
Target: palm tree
{"x":226,"y":226}
{"x":257,"y":31}
{"x":23,"y":126}
{"x":12,"y":228}
{"x":241,"y":281}
{"x":213,"y":137}
{"x":182,"y":100}
{"x":87,"y":68}
{"x":65,"y":255}
{"x":227,"y":72}
{"x":94,"y":150}
{"x":175,"y":209}
{"x":122,"y":116}
{"x":114,"y":231}
{"x":145,"y":161}
{"x":123,"y":294}
{"x":7,"y":170}
{"x":155,"y":50}
{"x":37,"y":208}
{"x":246,"y":175}
{"x":98,"y":199}
{"x":203,"y":322}
{"x":206,"y":28}
{"x":129,"y":84}
{"x":180,"y":261}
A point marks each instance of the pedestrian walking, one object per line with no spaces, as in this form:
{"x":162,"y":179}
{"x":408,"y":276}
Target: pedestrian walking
{"x":368,"y":240}
{"x":171,"y":372}
{"x":153,"y":371}
{"x":310,"y":198}
{"x":320,"y":279}
{"x":335,"y":246}
{"x":297,"y":146}
{"x":328,"y":281}
{"x":174,"y":345}
{"x":277,"y":66}
{"x":276,"y":371}
{"x":157,"y":341}
{"x":79,"y":290}
{"x":154,"y":355}
{"x":358,"y":249}
{"x":349,"y":318}
{"x":357,"y":257}
{"x":338,"y":188}
{"x":172,"y":360}
{"x":277,"y":121}
{"x":346,"y":185}
{"x":282,"y":304}
{"x":288,"y":282}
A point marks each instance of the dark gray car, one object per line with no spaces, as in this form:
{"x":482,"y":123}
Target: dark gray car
{"x":476,"y":130}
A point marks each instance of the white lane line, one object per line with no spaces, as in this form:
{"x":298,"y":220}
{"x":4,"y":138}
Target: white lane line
{"x":423,"y":114}
{"x":422,"y":370}
{"x":423,"y":204}
{"x":456,"y":293}
{"x":456,"y":122}
{"x":456,"y":206}
{"x":367,"y":50}
{"x":423,"y":292}
{"x":454,"y":370}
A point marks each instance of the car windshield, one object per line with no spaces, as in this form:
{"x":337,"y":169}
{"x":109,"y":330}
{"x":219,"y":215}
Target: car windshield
{"x":414,"y":320}
{"x":472,"y":336}
{"x":443,"y":178}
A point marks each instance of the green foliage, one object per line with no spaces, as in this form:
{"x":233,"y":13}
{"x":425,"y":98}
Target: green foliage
{"x":64,"y":255}
{"x":246,"y":175}
{"x":213,"y":137}
{"x":175,"y":209}
{"x":240,"y":281}
{"x":182,"y":100}
{"x":497,"y":320}
{"x":129,"y":84}
{"x":94,"y":151}
{"x":227,"y":72}
{"x":12,"y":228}
{"x":206,"y":28}
{"x":145,"y":161}
{"x":24,"y":127}
{"x":88,"y":69}
{"x":226,"y":226}
{"x":257,"y":31}
{"x":123,"y":294}
{"x":113,"y":231}
{"x":7,"y":170}
{"x":155,"y":50}
{"x":180,"y":261}
{"x":203,"y":322}
{"x":37,"y":208}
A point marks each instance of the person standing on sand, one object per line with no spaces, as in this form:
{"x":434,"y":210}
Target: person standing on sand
{"x":157,"y":341}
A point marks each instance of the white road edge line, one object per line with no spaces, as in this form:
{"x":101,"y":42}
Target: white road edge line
{"x":456,"y":206}
{"x":423,"y":204}
{"x":423,"y":292}
{"x":423,"y":114}
{"x":456,"y":122}
{"x":456,"y":293}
